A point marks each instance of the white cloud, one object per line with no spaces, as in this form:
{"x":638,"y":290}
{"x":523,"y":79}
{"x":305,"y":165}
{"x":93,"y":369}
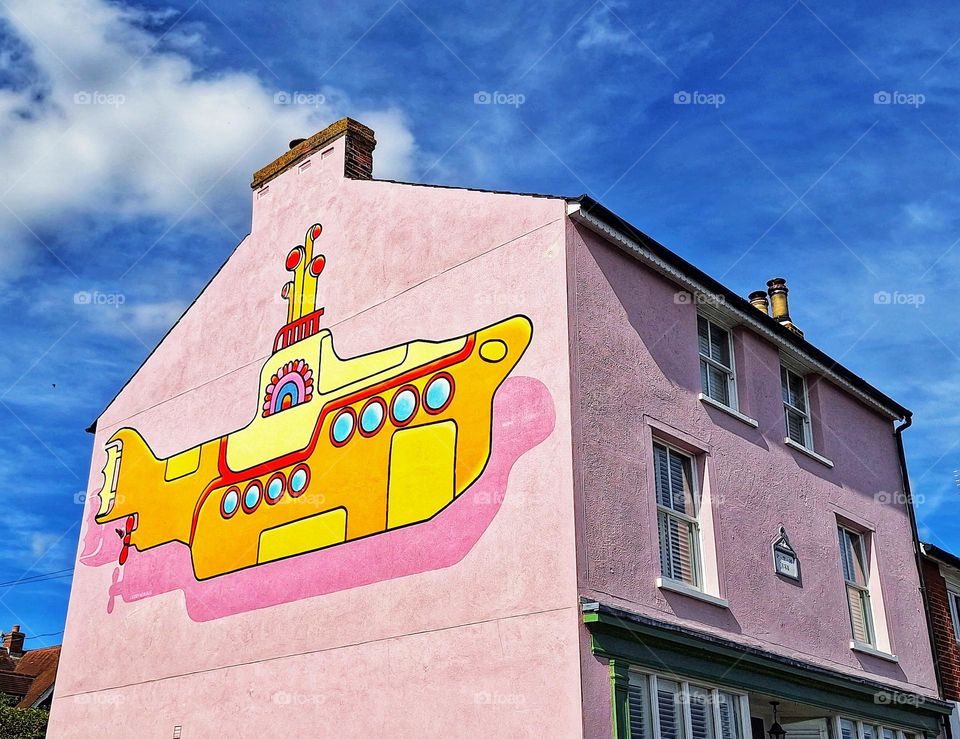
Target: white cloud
{"x":40,"y":543}
{"x":115,"y":119}
{"x":924,"y":214}
{"x":28,"y":543}
{"x":601,"y":29}
{"x":393,"y":157}
{"x":155,"y":318}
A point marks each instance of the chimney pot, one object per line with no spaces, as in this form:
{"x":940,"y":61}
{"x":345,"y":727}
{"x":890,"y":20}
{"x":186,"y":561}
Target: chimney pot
{"x":758,"y":299}
{"x":777,"y":289}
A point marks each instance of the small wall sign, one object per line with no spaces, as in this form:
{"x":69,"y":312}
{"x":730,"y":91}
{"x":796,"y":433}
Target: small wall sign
{"x":786,"y":563}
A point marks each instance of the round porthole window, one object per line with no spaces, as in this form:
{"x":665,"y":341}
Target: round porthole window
{"x":230,"y":503}
{"x":372,"y":416}
{"x":438,"y":393}
{"x":299,"y":479}
{"x":252,"y":496}
{"x":404,"y":405}
{"x":275,"y":488}
{"x":342,"y":427}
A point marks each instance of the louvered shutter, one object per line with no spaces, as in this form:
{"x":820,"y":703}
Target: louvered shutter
{"x":638,"y":706}
{"x":701,"y":714}
{"x":796,"y":429}
{"x":703,"y":335}
{"x":719,"y":345}
{"x":669,"y":710}
{"x":858,"y":620}
{"x":661,"y":468}
{"x":729,"y":706}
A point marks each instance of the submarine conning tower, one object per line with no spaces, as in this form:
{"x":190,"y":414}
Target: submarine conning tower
{"x":303,"y":315}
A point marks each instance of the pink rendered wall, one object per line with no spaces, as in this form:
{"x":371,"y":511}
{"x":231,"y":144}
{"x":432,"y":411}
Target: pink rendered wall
{"x":635,"y":365}
{"x":484,"y":646}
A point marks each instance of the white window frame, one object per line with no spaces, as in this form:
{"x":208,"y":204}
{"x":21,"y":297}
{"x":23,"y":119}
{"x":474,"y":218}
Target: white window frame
{"x":652,"y":698}
{"x":866,"y":602}
{"x":731,"y":371}
{"x":878,"y":728}
{"x":953,"y":600}
{"x":789,"y":407}
{"x":696,"y":554}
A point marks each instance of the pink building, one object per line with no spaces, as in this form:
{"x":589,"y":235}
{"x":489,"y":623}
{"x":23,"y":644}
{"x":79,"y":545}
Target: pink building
{"x":430,"y":461}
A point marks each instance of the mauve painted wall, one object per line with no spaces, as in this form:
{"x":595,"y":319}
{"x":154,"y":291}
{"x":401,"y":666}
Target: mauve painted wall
{"x":634,"y":357}
{"x":406,"y":656}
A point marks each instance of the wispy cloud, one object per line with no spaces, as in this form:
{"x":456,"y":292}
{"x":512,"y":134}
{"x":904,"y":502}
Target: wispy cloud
{"x":113,"y":114}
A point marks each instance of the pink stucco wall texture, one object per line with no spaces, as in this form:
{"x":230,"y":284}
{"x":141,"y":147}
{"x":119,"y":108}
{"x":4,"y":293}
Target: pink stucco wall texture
{"x":635,"y":368}
{"x":467,"y":627}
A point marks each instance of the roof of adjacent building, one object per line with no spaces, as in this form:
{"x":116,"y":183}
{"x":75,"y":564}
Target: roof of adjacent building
{"x":41,"y":665}
{"x":12,"y":683}
{"x":941,"y":555}
{"x":30,"y":677}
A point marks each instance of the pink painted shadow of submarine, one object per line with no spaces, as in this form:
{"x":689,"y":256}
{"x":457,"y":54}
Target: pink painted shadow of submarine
{"x":523,"y":417}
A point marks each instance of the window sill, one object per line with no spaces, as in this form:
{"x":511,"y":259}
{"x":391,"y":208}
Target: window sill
{"x":857,"y":646}
{"x":675,"y":586}
{"x":728,"y":410}
{"x":809,"y":452}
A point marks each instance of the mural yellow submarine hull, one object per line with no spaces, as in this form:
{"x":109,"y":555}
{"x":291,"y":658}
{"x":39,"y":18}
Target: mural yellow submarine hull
{"x":366,"y":445}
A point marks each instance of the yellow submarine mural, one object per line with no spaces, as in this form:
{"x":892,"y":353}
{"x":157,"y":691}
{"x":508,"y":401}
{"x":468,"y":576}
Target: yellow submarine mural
{"x":339,"y":449}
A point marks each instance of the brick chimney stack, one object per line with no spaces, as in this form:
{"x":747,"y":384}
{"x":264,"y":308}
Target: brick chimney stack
{"x":359,"y":144}
{"x":13,"y":642}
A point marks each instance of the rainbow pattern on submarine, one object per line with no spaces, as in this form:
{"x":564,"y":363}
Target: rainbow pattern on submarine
{"x":340,"y":449}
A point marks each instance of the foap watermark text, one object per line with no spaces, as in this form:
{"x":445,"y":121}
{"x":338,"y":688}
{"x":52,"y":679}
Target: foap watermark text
{"x":482,"y":97}
{"x":714,"y":99}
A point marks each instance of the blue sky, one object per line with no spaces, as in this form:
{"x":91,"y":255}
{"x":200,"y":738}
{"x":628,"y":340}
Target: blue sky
{"x":820,"y":143}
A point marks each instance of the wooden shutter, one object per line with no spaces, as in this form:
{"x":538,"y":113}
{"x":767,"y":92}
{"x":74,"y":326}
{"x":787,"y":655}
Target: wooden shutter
{"x":669,"y":710}
{"x":638,"y":706}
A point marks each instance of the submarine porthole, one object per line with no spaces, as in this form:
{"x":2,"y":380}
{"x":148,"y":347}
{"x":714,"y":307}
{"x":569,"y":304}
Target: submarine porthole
{"x":275,"y":488}
{"x":230,"y":502}
{"x":342,"y":427}
{"x":438,"y":393}
{"x":404,"y":405}
{"x":299,"y":479}
{"x":493,"y":350}
{"x":252,"y":497}
{"x":372,"y":416}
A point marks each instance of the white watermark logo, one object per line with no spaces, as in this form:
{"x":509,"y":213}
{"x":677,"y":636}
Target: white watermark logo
{"x":516,"y":99}
{"x":897,"y":498}
{"x":887,"y":698}
{"x":884,"y":297}
{"x":682,"y":297}
{"x":911,"y":99}
{"x":295,"y":97}
{"x":95,"y":297}
{"x":486,"y":698}
{"x":283,"y":698}
{"x":715,"y":99}
{"x":95,"y":97}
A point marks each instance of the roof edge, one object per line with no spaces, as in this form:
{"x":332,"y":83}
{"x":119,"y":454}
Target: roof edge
{"x":603,"y":221}
{"x":934,"y":552}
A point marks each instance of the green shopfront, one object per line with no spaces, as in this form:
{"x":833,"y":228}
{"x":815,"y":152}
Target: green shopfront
{"x":668,"y":682}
